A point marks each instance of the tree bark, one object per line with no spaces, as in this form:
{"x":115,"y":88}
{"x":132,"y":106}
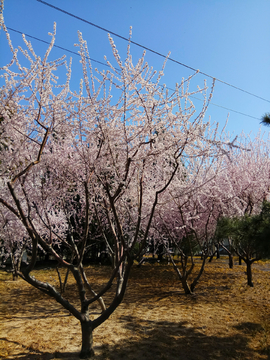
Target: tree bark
{"x":249,"y":273}
{"x":14,"y":269}
{"x":230,"y":260}
{"x":183,"y":277}
{"x":186,"y":286}
{"x":197,"y":278}
{"x":211,"y":257}
{"x":87,"y":340}
{"x":14,"y":275}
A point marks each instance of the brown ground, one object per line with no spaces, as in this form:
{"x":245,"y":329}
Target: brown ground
{"x":226,"y":319}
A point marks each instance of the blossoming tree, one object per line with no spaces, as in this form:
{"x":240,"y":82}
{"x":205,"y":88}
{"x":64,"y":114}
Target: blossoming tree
{"x":104,"y":154}
{"x":231,"y":186}
{"x":245,"y":185}
{"x":187,"y":219}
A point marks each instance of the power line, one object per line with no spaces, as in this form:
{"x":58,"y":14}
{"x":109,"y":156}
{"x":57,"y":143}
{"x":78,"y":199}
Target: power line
{"x":149,"y":49}
{"x":103,"y":63}
{"x":59,"y":47}
{"x":235,"y":111}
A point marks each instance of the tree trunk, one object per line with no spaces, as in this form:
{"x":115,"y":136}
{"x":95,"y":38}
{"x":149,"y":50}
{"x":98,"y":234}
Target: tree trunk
{"x":249,"y":273}
{"x":14,"y":269}
{"x":14,"y":275}
{"x":230,"y":260}
{"x":87,"y":340}
{"x":211,"y":257}
{"x":240,"y":260}
{"x":197,"y":278}
{"x":186,"y":285}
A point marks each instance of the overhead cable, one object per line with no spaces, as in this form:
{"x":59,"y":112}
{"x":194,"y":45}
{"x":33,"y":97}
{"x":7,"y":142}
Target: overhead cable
{"x":150,"y":50}
{"x":56,"y":46}
{"x":105,"y":64}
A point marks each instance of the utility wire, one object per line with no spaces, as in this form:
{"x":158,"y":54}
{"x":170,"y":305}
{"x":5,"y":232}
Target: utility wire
{"x":223,"y":107}
{"x":150,"y":50}
{"x":59,"y":47}
{"x":103,"y":63}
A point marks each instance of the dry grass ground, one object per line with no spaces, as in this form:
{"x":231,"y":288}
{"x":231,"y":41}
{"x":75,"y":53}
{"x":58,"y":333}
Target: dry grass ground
{"x":226,"y":319}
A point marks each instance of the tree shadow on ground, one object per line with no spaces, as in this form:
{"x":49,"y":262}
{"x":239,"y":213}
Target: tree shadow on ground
{"x":165,"y":340}
{"x":30,"y":354}
{"x":170,"y":340}
{"x":251,"y":329}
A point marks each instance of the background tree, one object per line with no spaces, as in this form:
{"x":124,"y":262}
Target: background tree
{"x":244,"y":183}
{"x":249,"y":236}
{"x":266,"y":119}
{"x":232,"y":186}
{"x":187,"y":218}
{"x":11,"y":247}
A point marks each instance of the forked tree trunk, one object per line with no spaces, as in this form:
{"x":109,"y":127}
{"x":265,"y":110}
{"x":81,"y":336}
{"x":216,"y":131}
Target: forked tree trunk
{"x":197,"y":278}
{"x":182,"y":277}
{"x":87,"y":340}
{"x":186,"y":286}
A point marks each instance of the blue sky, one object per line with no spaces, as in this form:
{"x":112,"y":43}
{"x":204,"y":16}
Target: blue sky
{"x":229,"y":40}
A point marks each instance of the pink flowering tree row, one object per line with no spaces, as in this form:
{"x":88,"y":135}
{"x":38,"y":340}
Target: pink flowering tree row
{"x":208,"y":190}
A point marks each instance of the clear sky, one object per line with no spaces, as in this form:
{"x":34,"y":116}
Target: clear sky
{"x":229,"y":40}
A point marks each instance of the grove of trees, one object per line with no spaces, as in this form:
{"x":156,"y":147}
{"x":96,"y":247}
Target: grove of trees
{"x":118,"y":162}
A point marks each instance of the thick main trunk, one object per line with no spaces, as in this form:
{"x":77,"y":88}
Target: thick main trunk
{"x":230,"y":261}
{"x":249,"y":273}
{"x":87,"y":340}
